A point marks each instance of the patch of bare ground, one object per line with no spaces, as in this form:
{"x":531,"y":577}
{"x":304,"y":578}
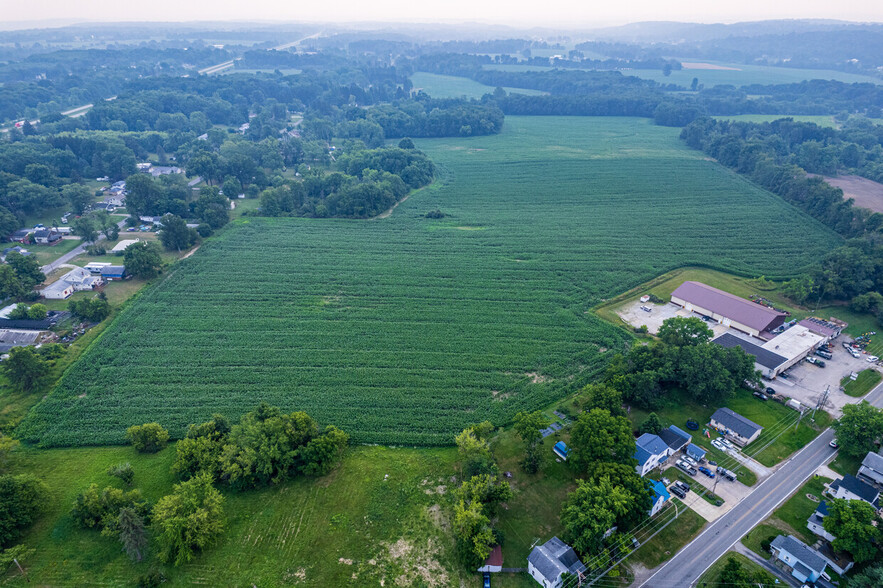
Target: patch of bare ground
{"x":536,"y":378}
{"x":191,"y":252}
{"x":386,"y":213}
{"x":438,"y":517}
{"x":866,"y":193}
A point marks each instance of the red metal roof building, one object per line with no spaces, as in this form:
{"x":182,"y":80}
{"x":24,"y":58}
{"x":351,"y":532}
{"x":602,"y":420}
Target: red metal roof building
{"x":727,"y":309}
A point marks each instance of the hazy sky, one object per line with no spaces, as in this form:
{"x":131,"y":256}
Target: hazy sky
{"x":519,"y":12}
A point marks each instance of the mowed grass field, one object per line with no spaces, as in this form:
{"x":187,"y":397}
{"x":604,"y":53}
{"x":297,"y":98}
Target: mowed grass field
{"x":406,"y":329}
{"x":440,"y":86}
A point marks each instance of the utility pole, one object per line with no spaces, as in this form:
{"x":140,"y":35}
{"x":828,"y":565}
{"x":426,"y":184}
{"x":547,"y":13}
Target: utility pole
{"x":822,"y":400}
{"x":802,"y":412}
{"x":21,"y":569}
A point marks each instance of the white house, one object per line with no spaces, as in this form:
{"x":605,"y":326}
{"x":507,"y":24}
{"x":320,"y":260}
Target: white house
{"x":816,"y":519}
{"x":547,"y":562}
{"x":660,"y":497}
{"x":75,"y":280}
{"x":650,"y":451}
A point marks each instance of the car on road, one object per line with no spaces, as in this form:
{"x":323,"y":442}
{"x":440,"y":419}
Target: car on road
{"x":684,"y":466}
{"x":707,"y":472}
{"x":833,"y":444}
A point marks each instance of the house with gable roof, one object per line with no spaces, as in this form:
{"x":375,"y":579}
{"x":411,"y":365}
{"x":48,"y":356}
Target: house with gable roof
{"x":546,"y":563}
{"x":650,"y":451}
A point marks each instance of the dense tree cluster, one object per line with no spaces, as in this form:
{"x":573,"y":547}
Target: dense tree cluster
{"x":369,"y":182}
{"x":684,"y":359}
{"x":267,"y":446}
{"x":859,"y":429}
{"x":22,"y":498}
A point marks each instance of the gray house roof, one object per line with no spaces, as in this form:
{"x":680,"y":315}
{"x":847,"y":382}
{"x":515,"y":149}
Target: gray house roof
{"x":555,"y":558}
{"x":725,"y":304}
{"x":735,"y":422}
{"x":764,"y":357}
{"x":873,"y":461}
{"x":864,"y":491}
{"x":809,"y":557}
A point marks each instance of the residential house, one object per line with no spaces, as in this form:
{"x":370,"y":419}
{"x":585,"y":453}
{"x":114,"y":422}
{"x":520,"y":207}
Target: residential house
{"x":675,"y":438}
{"x":804,"y":562}
{"x":814,"y":522}
{"x":660,"y":497}
{"x":560,"y":449}
{"x":113,"y":272}
{"x":851,"y":488}
{"x":18,"y":249}
{"x":871,"y":471}
{"x":735,"y":427}
{"x":21,"y":236}
{"x":47,"y":236}
{"x":75,"y":280}
{"x":650,"y":451}
{"x":546,"y":563}
{"x":116,"y":200}
{"x":494,"y":562}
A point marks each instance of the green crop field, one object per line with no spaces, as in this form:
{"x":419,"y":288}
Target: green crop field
{"x":819,"y":119}
{"x":439,"y":86}
{"x":405,"y":329}
{"x":740,"y":75}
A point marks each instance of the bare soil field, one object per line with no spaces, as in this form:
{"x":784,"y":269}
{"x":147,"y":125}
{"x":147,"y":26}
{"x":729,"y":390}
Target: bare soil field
{"x":866,"y":193}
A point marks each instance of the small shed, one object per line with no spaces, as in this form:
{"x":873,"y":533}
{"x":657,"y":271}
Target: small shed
{"x":494,"y":562}
{"x":113,"y":272}
{"x":560,"y":450}
{"x":695,"y":452}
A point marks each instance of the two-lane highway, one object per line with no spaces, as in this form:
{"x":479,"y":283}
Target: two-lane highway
{"x":685,"y":568}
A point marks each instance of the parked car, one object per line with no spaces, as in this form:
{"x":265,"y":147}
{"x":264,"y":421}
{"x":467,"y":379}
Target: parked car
{"x":872,"y":358}
{"x":677,"y":491}
{"x":726,"y":474}
{"x":646,"y":309}
{"x":855,"y":353}
{"x":770,"y":391}
{"x":707,"y":472}
{"x":682,"y":485}
{"x":684,"y":466}
{"x":824,"y":354}
{"x":487,"y":580}
{"x":690,"y":461}
{"x":761,"y":395}
{"x":718,"y":444}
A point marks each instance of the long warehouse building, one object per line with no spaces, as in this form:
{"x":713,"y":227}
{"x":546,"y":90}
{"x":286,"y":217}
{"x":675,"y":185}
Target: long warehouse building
{"x":727,"y":309}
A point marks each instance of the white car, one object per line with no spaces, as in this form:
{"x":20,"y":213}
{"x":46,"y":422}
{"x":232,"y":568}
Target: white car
{"x":719,"y":444}
{"x":872,"y":358}
{"x":690,"y":461}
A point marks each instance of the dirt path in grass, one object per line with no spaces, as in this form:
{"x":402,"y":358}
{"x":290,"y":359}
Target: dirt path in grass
{"x":386,"y":214}
{"x":191,"y":252}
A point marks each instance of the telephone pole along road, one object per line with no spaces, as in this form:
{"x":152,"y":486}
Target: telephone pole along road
{"x":685,"y":568}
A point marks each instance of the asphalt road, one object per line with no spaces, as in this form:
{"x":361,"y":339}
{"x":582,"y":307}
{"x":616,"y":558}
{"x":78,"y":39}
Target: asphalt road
{"x":685,"y":568}
{"x":79,"y":249}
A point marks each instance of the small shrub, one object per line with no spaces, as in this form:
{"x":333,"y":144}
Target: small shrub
{"x":148,"y":438}
{"x":765,"y":544}
{"x":151,"y":579}
{"x":656,"y":299}
{"x":435,"y":214}
{"x":124,"y":472}
{"x":642,"y":329}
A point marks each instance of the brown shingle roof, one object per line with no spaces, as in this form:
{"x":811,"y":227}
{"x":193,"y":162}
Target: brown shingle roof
{"x":725,"y":304}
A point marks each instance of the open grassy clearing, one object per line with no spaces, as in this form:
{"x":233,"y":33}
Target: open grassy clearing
{"x":440,"y":86}
{"x":404,"y":330}
{"x":711,"y":578}
{"x":865,"y":382}
{"x":380,"y":517}
{"x":671,"y":538}
{"x":799,"y":507}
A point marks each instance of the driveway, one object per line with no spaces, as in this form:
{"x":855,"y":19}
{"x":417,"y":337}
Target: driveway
{"x":78,"y":250}
{"x":732,"y":492}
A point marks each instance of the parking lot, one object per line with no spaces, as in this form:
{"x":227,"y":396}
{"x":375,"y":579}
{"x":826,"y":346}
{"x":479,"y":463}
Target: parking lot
{"x":807,"y":382}
{"x":731,"y":492}
{"x":633,"y":314}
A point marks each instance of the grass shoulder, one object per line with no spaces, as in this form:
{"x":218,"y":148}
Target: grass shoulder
{"x":863,"y":384}
{"x":670,"y":539}
{"x":711,"y":578}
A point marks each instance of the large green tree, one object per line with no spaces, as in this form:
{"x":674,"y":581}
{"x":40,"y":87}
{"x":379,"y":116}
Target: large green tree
{"x":590,"y":511}
{"x":529,"y":426}
{"x":638,"y":488}
{"x":859,"y":429}
{"x":175,"y":234}
{"x":27,"y":268}
{"x":78,"y":196}
{"x":683,"y":331}
{"x":22,"y":498}
{"x":25,"y":368}
{"x":597,"y":436}
{"x":143,"y":260}
{"x":870,"y":577}
{"x":601,"y":396}
{"x":188,"y":520}
{"x":853,"y":524}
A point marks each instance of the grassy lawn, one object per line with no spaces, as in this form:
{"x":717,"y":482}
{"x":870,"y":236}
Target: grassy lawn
{"x":742,"y":74}
{"x":48,"y":253}
{"x":332,"y":531}
{"x":711,"y":578}
{"x":798,"y":508}
{"x":669,"y":540}
{"x":533,"y":512}
{"x":756,"y":536}
{"x":773,"y":417}
{"x":846,"y":464}
{"x":441,"y":86}
{"x":865,"y":382}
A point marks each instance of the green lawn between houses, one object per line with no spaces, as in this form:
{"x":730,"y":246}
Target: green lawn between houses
{"x":711,"y":578}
